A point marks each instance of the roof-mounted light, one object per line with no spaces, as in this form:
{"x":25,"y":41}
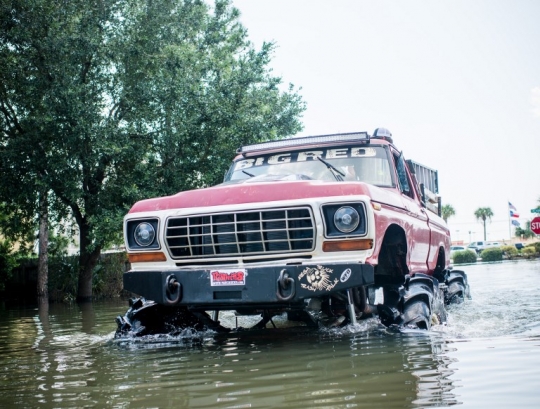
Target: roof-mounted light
{"x":322,"y":140}
{"x":384,"y":134}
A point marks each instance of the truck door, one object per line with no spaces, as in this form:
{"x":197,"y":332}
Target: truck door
{"x":417,"y":223}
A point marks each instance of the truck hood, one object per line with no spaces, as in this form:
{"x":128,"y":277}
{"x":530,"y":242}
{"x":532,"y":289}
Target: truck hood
{"x":263,"y":192}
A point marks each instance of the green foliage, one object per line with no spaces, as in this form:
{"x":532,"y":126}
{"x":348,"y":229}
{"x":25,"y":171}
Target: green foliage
{"x":509,"y":252}
{"x":447,"y":211}
{"x":530,"y":252}
{"x":494,"y":254}
{"x":103,"y":104}
{"x":17,"y":226}
{"x":483,"y":214}
{"x":8,"y":262}
{"x":525,"y":233}
{"x":465,"y":256}
{"x":63,"y":277}
{"x":108,"y":275}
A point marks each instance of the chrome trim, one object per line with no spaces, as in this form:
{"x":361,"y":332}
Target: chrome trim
{"x":281,"y":230}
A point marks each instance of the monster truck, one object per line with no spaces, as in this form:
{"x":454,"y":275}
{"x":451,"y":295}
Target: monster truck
{"x":325,"y":230}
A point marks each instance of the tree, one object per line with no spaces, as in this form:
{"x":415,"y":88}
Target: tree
{"x":483,"y":214}
{"x":106,"y":102}
{"x":447,"y":211}
{"x":525,"y":233}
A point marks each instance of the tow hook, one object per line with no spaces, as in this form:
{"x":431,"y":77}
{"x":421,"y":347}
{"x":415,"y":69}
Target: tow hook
{"x":284,"y":283}
{"x":173,"y":290}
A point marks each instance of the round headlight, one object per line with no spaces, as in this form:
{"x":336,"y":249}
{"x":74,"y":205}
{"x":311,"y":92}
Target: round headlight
{"x":346,"y":219}
{"x":144,"y":234}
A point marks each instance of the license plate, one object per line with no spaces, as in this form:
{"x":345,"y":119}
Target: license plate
{"x":224,"y":277}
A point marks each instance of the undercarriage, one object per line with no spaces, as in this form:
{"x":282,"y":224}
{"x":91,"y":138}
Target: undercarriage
{"x":417,"y":301}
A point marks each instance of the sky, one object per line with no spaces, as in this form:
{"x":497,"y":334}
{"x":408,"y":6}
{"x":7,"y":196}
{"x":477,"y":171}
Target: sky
{"x":456,"y":82}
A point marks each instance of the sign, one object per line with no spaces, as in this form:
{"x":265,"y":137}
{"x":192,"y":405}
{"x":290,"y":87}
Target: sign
{"x":535,"y":225}
{"x":228,"y":277}
{"x":537,"y":210}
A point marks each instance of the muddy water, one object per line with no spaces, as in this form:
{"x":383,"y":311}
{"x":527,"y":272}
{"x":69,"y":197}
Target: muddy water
{"x":488,"y":355}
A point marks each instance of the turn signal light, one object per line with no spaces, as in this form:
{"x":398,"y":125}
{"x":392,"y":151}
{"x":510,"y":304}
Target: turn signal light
{"x":348,"y":245}
{"x":146,"y":257}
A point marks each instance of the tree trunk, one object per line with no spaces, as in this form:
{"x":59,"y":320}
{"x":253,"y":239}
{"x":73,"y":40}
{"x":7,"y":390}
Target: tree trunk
{"x":87,"y":262}
{"x":43,"y":258}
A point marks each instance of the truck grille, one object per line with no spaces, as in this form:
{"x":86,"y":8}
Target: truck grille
{"x":258,"y":232}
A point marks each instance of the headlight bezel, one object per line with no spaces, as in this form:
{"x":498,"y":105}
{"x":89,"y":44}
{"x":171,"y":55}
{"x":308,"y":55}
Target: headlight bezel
{"x":329,"y":211}
{"x":131,"y":230}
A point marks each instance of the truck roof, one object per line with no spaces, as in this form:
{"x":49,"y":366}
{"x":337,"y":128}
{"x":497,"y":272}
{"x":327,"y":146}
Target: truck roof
{"x":362,"y":137}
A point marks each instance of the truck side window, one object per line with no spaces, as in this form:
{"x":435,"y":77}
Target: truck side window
{"x":403,"y":180}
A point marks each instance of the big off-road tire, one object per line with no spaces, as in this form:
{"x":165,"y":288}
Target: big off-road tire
{"x":457,"y":287}
{"x":145,"y":317}
{"x":418,"y":303}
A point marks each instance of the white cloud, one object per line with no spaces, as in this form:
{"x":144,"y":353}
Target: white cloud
{"x":535,"y":101}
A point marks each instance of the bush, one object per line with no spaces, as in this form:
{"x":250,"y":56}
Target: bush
{"x":510,"y":252}
{"x":108,"y":275}
{"x":529,"y":252}
{"x":492,"y":255}
{"x":465,"y":256}
{"x":8,"y":261}
{"x":63,"y":277}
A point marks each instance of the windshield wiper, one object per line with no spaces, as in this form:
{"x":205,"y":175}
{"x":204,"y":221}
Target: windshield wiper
{"x":338,"y":174}
{"x":247,"y":173}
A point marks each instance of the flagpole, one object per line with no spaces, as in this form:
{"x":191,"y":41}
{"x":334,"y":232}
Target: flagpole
{"x":509,"y":221}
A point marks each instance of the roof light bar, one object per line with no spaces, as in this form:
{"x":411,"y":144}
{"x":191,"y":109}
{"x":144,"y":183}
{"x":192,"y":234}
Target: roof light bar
{"x":309,"y":140}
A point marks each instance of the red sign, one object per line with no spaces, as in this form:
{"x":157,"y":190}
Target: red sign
{"x":228,"y":277}
{"x":535,"y":225}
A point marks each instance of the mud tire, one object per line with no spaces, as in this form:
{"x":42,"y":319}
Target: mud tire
{"x":457,"y":287}
{"x":145,"y":317}
{"x":421,"y":304}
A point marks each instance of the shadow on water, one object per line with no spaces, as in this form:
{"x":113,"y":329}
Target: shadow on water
{"x":361,"y":366}
{"x":57,"y":355}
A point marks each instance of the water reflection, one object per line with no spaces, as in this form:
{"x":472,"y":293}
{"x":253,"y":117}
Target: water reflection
{"x":298,"y":367}
{"x":55,"y":356}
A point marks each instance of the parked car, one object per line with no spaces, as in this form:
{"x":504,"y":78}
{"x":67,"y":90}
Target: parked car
{"x":453,"y":249}
{"x":519,"y":246}
{"x":478,"y":246}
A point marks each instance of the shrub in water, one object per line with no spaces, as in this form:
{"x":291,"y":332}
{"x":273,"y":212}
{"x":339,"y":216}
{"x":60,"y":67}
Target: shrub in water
{"x":510,"y":252}
{"x":465,"y":256}
{"x":492,"y":255}
{"x":529,"y":252}
{"x":7,"y":263}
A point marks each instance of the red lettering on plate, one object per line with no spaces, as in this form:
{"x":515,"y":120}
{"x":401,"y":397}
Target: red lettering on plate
{"x":228,"y":277}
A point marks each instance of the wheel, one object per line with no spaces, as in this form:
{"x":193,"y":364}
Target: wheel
{"x":457,"y":289}
{"x":418,"y":303}
{"x":145,"y":317}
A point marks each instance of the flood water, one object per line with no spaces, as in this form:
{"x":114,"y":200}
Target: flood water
{"x":488,"y":356}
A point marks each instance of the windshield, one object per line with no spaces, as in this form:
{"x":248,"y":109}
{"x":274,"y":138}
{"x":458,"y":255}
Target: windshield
{"x":366,"y":164}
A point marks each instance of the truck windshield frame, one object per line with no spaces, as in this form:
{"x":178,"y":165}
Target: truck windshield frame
{"x":369,"y":164}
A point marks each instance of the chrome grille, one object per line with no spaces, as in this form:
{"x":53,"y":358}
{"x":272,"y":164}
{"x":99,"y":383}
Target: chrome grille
{"x":270,"y":231}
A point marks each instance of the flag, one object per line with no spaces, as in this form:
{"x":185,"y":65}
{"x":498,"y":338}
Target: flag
{"x":512,"y":209}
{"x":515,"y":223}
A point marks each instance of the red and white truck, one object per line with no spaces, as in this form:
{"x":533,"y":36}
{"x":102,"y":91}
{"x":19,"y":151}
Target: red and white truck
{"x":313,"y":227}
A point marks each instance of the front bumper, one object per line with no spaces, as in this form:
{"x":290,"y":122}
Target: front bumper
{"x":274,"y":286}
